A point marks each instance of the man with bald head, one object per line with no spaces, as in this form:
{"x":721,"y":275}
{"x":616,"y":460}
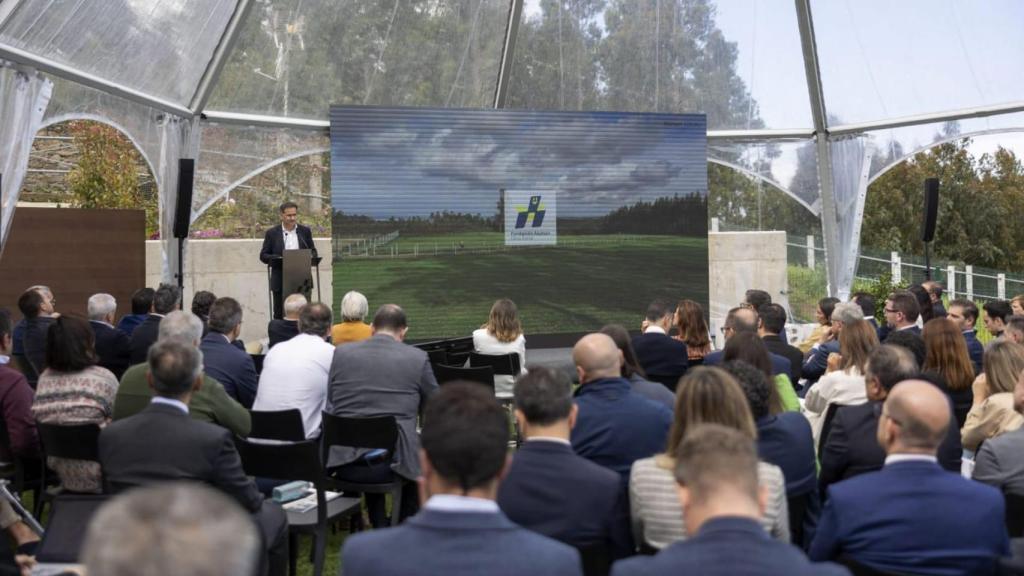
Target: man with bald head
{"x":745,"y":319}
{"x":615,"y":426}
{"x":912,"y":516}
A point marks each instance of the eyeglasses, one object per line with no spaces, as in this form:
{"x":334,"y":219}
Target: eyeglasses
{"x":890,"y":311}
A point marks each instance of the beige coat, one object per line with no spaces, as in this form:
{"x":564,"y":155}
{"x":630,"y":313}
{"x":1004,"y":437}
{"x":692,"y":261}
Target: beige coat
{"x":989,"y":419}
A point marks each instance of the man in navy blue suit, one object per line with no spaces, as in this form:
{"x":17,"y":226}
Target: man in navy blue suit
{"x":288,"y":235}
{"x":112,"y":346}
{"x":716,"y":468}
{"x":166,"y":299}
{"x":460,"y":530}
{"x":817,"y":359}
{"x":551,"y":490}
{"x":744,"y":319}
{"x":901,"y":312}
{"x":913,"y":517}
{"x":965,"y":314}
{"x":222,"y":360}
{"x":663,"y":358}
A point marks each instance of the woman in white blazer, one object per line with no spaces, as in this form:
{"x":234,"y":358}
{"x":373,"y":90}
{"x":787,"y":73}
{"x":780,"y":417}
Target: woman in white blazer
{"x":502,"y":334}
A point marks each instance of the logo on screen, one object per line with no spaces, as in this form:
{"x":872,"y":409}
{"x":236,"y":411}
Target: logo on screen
{"x":534,"y":212}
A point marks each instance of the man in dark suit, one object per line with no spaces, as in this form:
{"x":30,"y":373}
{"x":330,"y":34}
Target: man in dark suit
{"x":716,"y":468}
{"x":282,"y":329}
{"x":901,"y":312}
{"x":996,"y":313}
{"x":142,"y":303}
{"x":817,"y":359}
{"x":37,"y":306}
{"x":551,"y":490}
{"x":866,"y":301}
{"x":381,"y":376}
{"x":162,"y":443}
{"x":222,"y":360}
{"x":772,"y":329}
{"x":112,"y":345}
{"x":850,"y":445}
{"x":745,"y":319}
{"x":201,"y":303}
{"x":460,"y":530}
{"x":616,"y":426}
{"x":934,"y":290}
{"x":288,"y":235}
{"x":166,"y":299}
{"x":663,"y":358}
{"x":964,"y":313}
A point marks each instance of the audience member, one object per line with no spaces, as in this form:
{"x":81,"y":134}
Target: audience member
{"x":755,"y":299}
{"x":663,"y":358}
{"x":74,"y":390}
{"x":551,"y":490}
{"x":934,"y":290}
{"x":381,"y":376}
{"x":910,"y":516}
{"x":283,"y":329}
{"x":460,"y":530}
{"x":902,"y":311}
{"x":741,"y":320}
{"x":353,"y":327}
{"x":142,"y":303}
{"x":866,"y":301}
{"x":1014,"y":330}
{"x":717,"y":470}
{"x":162,"y":443}
{"x":924,"y":303}
{"x":851,"y":445}
{"x":166,"y":299}
{"x":1000,"y":460}
{"x":946,"y":355}
{"x":169,"y":530}
{"x":843,"y":314}
{"x":36,"y":306}
{"x":843,"y":383}
{"x":112,"y":346}
{"x":616,"y":425}
{"x":15,"y":404}
{"x":201,"y":303}
{"x":746,"y":346}
{"x":632,"y":371}
{"x":823,"y":315}
{"x":295,"y":372}
{"x":210,"y":403}
{"x":992,"y":412}
{"x":502,"y":334}
{"x":1017,"y":304}
{"x":222,"y":360}
{"x":693,"y":331}
{"x":964,"y":314}
{"x":705,"y":395}
{"x":772,"y":329}
{"x":996,"y":312}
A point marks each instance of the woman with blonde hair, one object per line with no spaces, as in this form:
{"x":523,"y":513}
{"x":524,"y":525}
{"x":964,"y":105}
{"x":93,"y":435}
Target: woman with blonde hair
{"x":705,"y":395}
{"x":946,"y":355}
{"x":993,"y":413}
{"x":1017,"y":304}
{"x":693,"y":331}
{"x":502,"y":334}
{"x":843,"y":382}
{"x":353,"y":326}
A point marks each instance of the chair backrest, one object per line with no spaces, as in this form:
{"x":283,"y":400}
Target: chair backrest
{"x":438,"y":356}
{"x":826,"y":426}
{"x":278,"y":425}
{"x":445,"y":374}
{"x":1014,"y":515}
{"x":504,"y":364}
{"x":596,"y":559}
{"x":288,"y":461}
{"x":65,"y":528}
{"x":76,"y":442}
{"x":377,"y":432}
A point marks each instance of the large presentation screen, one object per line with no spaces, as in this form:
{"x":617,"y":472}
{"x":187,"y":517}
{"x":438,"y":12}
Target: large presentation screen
{"x":581,"y":218}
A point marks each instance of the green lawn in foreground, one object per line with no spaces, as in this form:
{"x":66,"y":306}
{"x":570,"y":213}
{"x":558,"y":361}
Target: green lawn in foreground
{"x":581,"y":284}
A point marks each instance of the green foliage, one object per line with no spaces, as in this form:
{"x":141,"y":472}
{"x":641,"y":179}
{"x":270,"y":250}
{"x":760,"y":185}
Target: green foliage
{"x":806,"y":287}
{"x":880,"y":287}
{"x":741,"y":202}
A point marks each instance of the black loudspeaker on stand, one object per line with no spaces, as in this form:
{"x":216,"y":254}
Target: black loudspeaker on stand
{"x":931,"y":216}
{"x":183,"y":212}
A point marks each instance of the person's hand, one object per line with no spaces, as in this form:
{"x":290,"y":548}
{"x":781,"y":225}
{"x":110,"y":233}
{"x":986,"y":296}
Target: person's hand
{"x":644,"y":325}
{"x":826,"y":335}
{"x":980,"y":388}
{"x":834,"y":362}
{"x":25,"y":563}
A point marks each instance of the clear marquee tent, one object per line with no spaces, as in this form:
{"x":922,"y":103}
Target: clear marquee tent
{"x":846,"y":87}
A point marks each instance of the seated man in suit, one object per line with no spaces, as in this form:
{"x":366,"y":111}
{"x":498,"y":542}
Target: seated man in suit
{"x":169,"y":530}
{"x":996,"y":313}
{"x":142,"y":303}
{"x":281,"y":329}
{"x":112,"y":345}
{"x":551,"y":490}
{"x":166,"y":299}
{"x":1000,"y":461}
{"x":901,"y":312}
{"x":663,"y":358}
{"x":381,"y":376}
{"x":202,"y":301}
{"x":817,"y":359}
{"x":162,"y":443}
{"x":222,"y":359}
{"x":716,"y":468}
{"x":616,"y":426}
{"x":935,"y":296}
{"x":745,"y":319}
{"x":36,"y":305}
{"x":910,"y":517}
{"x":460,"y":530}
{"x":210,"y":403}
{"x":964,"y":313}
{"x":772,"y":329}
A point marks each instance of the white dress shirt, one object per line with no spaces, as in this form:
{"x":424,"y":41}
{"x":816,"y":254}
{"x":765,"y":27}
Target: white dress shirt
{"x":897,"y":458}
{"x":485,"y":343}
{"x":295,"y":375}
{"x":291,"y":238}
{"x":456,"y":503}
{"x":170,"y":402}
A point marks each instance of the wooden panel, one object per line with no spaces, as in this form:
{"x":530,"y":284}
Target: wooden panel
{"x":77,"y":253}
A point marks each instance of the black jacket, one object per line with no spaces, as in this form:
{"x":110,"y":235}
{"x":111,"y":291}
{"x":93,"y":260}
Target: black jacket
{"x":777,"y":345}
{"x":280,"y":330}
{"x":143,"y":337}
{"x":113,"y":348}
{"x":273,"y":245}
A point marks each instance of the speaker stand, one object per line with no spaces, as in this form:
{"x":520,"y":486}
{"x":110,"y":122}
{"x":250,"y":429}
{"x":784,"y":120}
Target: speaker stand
{"x":927,"y":261}
{"x":181,"y":266}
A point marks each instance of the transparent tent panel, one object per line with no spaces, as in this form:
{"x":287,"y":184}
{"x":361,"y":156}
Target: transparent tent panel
{"x":881,"y":59}
{"x":738,"y":61}
{"x":789,"y":165}
{"x":295,"y":58}
{"x":158,"y":47}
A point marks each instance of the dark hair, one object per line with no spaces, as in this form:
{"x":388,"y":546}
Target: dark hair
{"x":866,"y":301}
{"x":969,"y":307}
{"x":166,"y":298}
{"x":891,"y":365}
{"x":390,"y":317}
{"x":658,"y":309}
{"x":225,"y":314}
{"x":773,"y":317}
{"x":174,"y":366}
{"x":998,"y":309}
{"x":712,"y":456}
{"x":905,"y":302}
{"x":691,"y":325}
{"x":757,"y":298}
{"x":70,"y":344}
{"x":315,"y":318}
{"x":754,"y":384}
{"x":142,"y":300}
{"x":5,"y":323}
{"x":201,"y":303}
{"x":30,"y":303}
{"x":909,"y":340}
{"x":465,"y":434}
{"x":620,"y":336}
{"x":544,"y":395}
{"x":288,"y":205}
{"x":827,"y":305}
{"x":924,"y":302}
{"x":933,"y":288}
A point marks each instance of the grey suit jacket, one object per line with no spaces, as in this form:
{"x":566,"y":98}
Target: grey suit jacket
{"x":1000,"y":462}
{"x":380,"y":376}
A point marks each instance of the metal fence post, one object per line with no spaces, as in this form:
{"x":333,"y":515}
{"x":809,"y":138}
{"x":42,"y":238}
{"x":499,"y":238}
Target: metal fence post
{"x":714,"y":224}
{"x":1001,"y":286}
{"x":969,"y":274}
{"x":810,"y":251}
{"x":897,"y":270}
{"x":951,"y":282}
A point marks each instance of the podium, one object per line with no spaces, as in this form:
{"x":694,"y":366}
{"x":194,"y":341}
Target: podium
{"x":296,"y":275}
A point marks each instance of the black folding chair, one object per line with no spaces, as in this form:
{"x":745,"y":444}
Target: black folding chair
{"x":298,"y":461}
{"x":65,"y":529}
{"x":438,"y":356}
{"x":445,"y":374}
{"x":826,"y":426}
{"x":283,"y":425}
{"x":74,"y":442}
{"x":502,"y":364}
{"x":374,"y":433}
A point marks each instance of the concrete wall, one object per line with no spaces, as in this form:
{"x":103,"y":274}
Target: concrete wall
{"x":742,"y":260}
